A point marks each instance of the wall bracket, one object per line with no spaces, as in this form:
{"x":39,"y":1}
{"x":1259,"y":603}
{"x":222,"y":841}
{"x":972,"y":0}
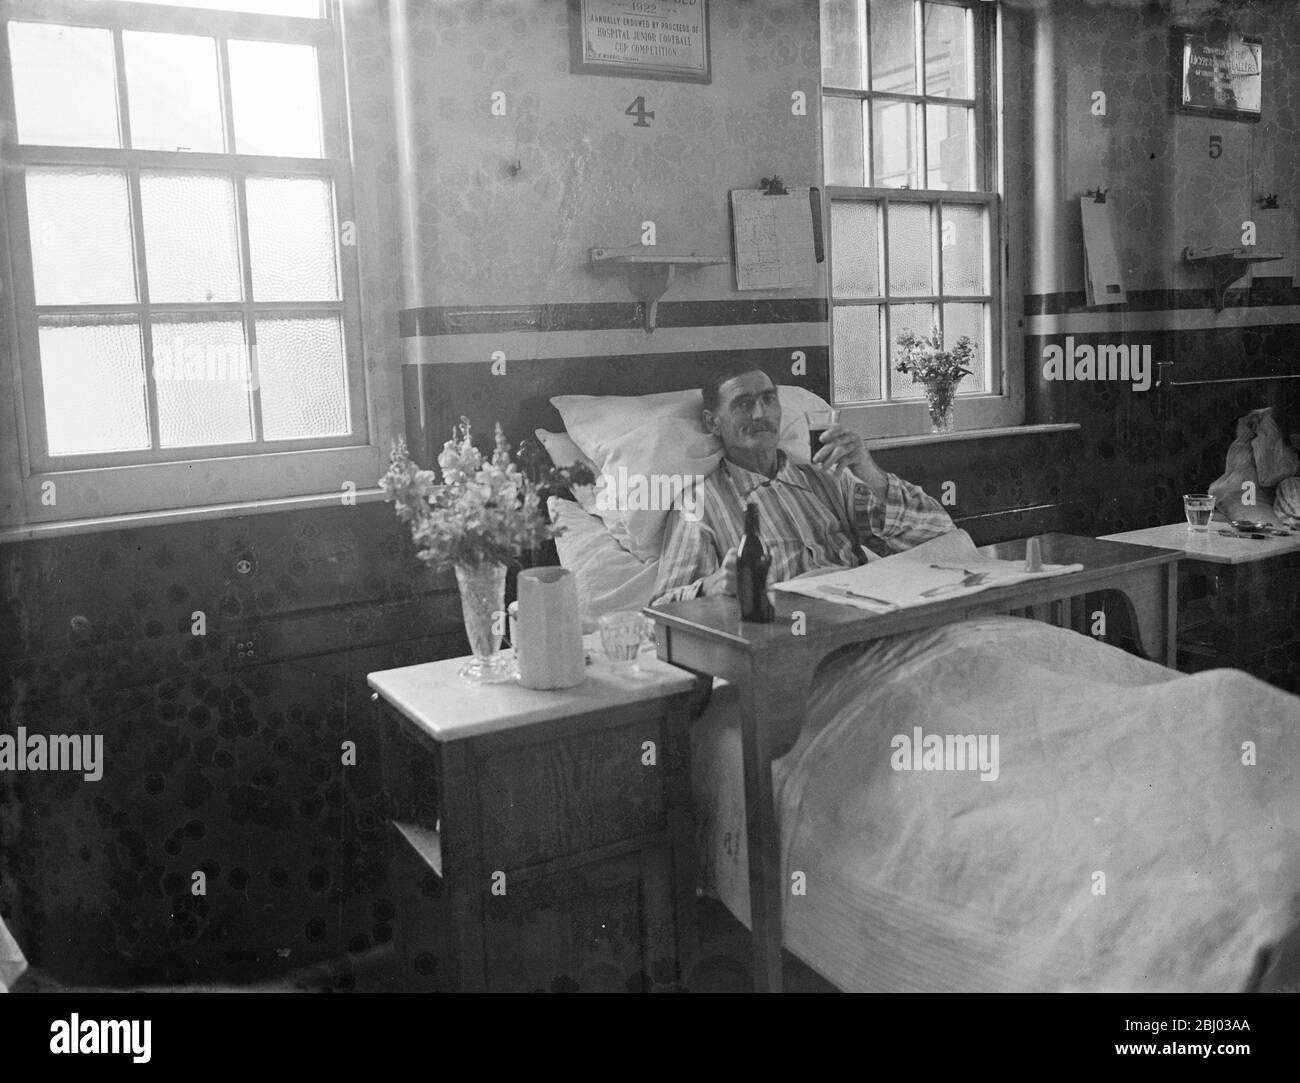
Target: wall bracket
{"x":1226,"y":266}
{"x":655,"y":270}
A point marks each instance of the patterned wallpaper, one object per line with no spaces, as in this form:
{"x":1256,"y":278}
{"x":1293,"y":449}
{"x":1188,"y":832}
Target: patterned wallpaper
{"x":509,"y":205}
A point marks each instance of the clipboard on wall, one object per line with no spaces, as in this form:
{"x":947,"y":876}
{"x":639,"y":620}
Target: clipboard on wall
{"x":776,"y":240}
{"x":1102,"y":273}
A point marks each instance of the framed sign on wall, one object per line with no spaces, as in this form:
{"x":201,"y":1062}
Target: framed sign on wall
{"x":1219,"y":73}
{"x":643,"y":39}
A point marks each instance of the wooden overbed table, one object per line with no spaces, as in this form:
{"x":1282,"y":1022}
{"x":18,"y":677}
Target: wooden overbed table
{"x":773,"y":668}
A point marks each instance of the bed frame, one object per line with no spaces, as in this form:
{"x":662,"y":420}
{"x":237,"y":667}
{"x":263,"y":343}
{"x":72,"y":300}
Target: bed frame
{"x":774,"y":669}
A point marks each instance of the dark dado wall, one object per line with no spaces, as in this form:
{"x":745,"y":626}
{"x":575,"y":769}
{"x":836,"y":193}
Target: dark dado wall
{"x":229,"y":768}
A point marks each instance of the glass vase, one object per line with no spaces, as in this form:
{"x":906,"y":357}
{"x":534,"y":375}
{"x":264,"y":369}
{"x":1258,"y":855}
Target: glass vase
{"x":939,"y":395}
{"x":482,"y":603}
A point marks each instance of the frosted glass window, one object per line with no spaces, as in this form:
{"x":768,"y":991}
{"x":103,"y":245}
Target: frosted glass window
{"x":910,"y":240}
{"x":301,"y":373}
{"x":275,"y":94}
{"x":291,"y":239}
{"x":855,"y":229}
{"x":172,"y":89}
{"x":79,"y":221}
{"x":203,"y":381}
{"x":969,"y":319}
{"x":64,"y":88}
{"x":918,"y":318}
{"x":190,"y":237}
{"x":92,"y":373}
{"x":964,"y":248}
{"x":856,"y":367}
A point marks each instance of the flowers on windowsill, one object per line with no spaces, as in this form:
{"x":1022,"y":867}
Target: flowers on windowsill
{"x":926,"y":361}
{"x":939,"y":370}
{"x":484,"y":511}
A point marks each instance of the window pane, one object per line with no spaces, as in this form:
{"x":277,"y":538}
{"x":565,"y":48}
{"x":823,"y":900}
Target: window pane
{"x":190,"y":240}
{"x":300,"y":371}
{"x":171,"y":85}
{"x":910,"y":264}
{"x":948,"y":147}
{"x":961,"y":319}
{"x":841,"y":44}
{"x":92,"y":371}
{"x":893,"y":46}
{"x":202,"y":378}
{"x":842,"y":141}
{"x":275,"y":94}
{"x":64,"y":87}
{"x":963,"y":246}
{"x":918,"y":318}
{"x":308,"y":9}
{"x":855,"y":249}
{"x":893,"y":144}
{"x":80,"y":224}
{"x":291,"y":239}
{"x":947,"y":73}
{"x":857,"y":353}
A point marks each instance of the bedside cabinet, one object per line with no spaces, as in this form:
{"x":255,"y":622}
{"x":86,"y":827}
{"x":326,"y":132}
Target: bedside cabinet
{"x":551,"y":830}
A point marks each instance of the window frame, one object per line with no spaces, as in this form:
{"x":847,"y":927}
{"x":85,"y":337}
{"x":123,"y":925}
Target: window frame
{"x":115,"y":483}
{"x":1003,"y":403}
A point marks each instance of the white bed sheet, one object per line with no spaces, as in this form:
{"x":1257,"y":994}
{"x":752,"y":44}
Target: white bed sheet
{"x":937,"y":881}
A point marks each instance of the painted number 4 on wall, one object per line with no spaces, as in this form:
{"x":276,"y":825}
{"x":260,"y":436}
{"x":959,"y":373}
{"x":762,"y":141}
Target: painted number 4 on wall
{"x":637,"y":109}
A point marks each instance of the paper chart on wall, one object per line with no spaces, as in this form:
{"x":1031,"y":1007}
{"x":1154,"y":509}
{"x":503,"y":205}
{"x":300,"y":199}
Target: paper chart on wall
{"x":1101,"y":268}
{"x":775,"y":245}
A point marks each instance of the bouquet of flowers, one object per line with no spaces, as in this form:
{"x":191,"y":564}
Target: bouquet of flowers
{"x":926,"y":361}
{"x":484,"y":512}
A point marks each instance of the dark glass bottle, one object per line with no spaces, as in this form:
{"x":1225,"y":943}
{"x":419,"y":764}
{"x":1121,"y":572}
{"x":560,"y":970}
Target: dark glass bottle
{"x":752,"y":564}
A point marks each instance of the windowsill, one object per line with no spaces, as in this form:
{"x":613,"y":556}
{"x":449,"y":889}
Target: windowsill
{"x":136,"y":520}
{"x":970,"y":434}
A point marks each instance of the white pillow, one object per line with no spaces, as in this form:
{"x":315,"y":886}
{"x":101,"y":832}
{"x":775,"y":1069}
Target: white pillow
{"x":610,"y":578}
{"x":648,"y":447}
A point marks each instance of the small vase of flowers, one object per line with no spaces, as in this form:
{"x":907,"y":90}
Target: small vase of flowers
{"x":924,"y":359}
{"x":478,"y":519}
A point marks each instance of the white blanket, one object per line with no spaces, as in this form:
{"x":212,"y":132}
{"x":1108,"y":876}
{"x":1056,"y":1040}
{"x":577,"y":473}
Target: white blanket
{"x":1127,"y":843}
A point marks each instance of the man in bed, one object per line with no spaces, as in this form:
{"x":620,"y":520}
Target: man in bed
{"x":810,"y":516}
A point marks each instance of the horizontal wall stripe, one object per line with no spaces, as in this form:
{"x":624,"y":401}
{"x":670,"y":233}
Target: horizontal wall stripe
{"x":463,"y":349}
{"x":1127,"y":322}
{"x":1261,"y":295}
{"x":605,"y":316}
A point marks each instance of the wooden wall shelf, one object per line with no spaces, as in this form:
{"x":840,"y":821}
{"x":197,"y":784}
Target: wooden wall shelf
{"x":656,"y":269}
{"x":1226,"y":266}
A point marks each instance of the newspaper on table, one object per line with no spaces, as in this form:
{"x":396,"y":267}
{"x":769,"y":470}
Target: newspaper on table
{"x":948,"y":566}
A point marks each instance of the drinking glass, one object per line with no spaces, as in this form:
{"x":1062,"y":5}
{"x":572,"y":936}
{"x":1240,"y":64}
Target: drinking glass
{"x":621,"y":637}
{"x":1198,"y":507}
{"x":818,"y":422}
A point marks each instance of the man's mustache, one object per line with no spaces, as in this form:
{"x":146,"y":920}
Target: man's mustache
{"x":760,"y":426}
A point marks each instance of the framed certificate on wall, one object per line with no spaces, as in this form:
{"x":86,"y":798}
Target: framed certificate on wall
{"x":1219,"y":73}
{"x":643,"y":39}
